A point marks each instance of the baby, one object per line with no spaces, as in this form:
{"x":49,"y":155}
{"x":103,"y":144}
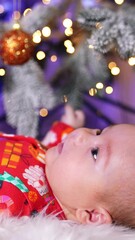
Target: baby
{"x":88,"y":177}
{"x":91,"y":174}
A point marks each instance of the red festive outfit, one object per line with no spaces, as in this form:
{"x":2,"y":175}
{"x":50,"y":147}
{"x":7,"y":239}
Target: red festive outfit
{"x":24,"y":189}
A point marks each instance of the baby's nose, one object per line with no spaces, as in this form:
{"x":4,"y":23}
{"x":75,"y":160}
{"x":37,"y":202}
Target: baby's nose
{"x":83,"y":134}
{"x":94,"y":132}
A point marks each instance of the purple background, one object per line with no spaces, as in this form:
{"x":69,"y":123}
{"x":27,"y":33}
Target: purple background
{"x":99,"y":112}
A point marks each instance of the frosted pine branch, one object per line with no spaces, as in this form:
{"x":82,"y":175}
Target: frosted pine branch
{"x":111,"y":29}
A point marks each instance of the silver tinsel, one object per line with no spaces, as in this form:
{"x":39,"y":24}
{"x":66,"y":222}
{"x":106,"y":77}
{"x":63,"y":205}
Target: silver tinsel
{"x":24,"y":94}
{"x":42,"y":14}
{"x":111,"y":29}
{"x":25,"y":89}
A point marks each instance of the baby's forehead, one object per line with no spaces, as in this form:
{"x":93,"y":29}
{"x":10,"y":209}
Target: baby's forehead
{"x":120,"y":127}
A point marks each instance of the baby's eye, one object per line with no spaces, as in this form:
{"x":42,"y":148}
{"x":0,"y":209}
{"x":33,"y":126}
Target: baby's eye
{"x":94,"y":153}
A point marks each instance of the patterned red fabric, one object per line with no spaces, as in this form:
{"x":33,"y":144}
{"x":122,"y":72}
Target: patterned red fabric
{"x":24,"y":189}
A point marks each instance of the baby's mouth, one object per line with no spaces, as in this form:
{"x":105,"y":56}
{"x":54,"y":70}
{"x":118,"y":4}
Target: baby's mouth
{"x":60,"y":147}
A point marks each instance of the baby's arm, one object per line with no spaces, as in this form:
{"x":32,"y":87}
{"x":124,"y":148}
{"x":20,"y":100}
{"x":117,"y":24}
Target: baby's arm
{"x":74,"y":118}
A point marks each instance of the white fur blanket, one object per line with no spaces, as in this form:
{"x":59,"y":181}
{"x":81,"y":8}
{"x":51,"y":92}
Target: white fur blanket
{"x":50,"y":228}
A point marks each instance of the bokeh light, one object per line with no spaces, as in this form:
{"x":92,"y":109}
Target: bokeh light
{"x":40,"y":55}
{"x":109,"y":90}
{"x":115,"y":71}
{"x":43,"y":112}
{"x":53,"y":58}
{"x":46,"y":31}
{"x":119,"y":2}
{"x":99,"y":85}
{"x":2,"y":72}
{"x":27,"y":10}
{"x":92,"y":91}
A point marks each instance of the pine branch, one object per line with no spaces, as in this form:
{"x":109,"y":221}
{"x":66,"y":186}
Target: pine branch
{"x":111,"y":29}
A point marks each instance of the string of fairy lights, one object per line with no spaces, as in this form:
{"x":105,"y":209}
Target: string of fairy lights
{"x":115,"y":71}
{"x":67,"y":23}
{"x":112,"y":66}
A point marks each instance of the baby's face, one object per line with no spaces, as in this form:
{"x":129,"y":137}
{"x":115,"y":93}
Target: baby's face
{"x":87,"y":163}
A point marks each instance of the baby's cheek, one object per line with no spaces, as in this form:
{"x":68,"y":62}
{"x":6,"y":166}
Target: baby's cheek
{"x":50,"y":156}
{"x":56,"y":173}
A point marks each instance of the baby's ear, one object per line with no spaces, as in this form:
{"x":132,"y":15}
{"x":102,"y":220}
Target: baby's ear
{"x":96,"y":216}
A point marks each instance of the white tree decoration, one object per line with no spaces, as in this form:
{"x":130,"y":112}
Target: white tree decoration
{"x":111,"y":29}
{"x":25,"y":89}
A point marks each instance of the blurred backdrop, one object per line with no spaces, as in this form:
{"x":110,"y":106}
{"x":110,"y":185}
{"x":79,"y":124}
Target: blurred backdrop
{"x":54,"y":52}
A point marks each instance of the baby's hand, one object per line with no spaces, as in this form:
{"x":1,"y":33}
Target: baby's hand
{"x":74,"y":118}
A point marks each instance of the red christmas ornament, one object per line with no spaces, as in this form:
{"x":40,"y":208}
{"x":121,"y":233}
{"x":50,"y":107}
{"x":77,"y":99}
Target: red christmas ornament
{"x":16,"y":47}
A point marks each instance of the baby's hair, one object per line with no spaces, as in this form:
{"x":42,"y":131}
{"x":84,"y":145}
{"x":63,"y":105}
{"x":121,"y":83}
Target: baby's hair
{"x":122,"y":209}
{"x":120,"y":203}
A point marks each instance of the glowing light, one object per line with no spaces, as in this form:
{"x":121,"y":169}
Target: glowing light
{"x":111,"y":65}
{"x":37,"y":36}
{"x":2,"y":9}
{"x":2,"y":72}
{"x":38,"y":32}
{"x":119,"y":2}
{"x":16,"y":26}
{"x":70,"y":50}
{"x":91,"y":46}
{"x":99,"y":25}
{"x":67,"y":43}
{"x":43,"y":112}
{"x":27,"y":10}
{"x":67,"y":23}
{"x":16,"y":15}
{"x":65,"y":99}
{"x":92,"y":91}
{"x":69,"y":31}
{"x":109,"y":90}
{"x":131,"y":61}
{"x":40,"y":55}
{"x":115,"y":71}
{"x":99,"y":85}
{"x":46,"y":1}
{"x":53,"y":58}
{"x":46,"y":31}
